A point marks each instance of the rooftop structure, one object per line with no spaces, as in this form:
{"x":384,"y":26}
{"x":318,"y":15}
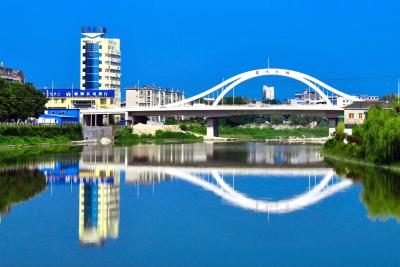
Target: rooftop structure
{"x":356,"y":112}
{"x":11,"y":75}
{"x":307,"y":97}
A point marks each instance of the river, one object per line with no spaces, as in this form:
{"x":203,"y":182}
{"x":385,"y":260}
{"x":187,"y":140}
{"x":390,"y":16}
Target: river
{"x":203,"y":204}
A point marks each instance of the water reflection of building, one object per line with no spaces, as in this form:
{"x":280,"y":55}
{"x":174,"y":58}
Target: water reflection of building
{"x":273,"y":154}
{"x":209,"y":154}
{"x":99,"y":210}
{"x":99,"y":197}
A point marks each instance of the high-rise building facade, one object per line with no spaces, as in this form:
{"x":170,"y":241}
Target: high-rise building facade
{"x":100,"y":61}
{"x":268,"y":92}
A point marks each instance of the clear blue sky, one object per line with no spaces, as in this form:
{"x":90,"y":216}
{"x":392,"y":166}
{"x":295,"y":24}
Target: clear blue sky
{"x":192,"y":45}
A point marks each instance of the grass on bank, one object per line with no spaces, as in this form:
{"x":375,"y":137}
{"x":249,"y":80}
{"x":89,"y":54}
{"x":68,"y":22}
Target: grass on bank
{"x":30,"y":135}
{"x":269,"y":133}
{"x":125,"y":135}
{"x":256,"y":133}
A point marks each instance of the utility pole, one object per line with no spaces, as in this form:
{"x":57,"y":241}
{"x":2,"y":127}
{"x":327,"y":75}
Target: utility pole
{"x":52,"y":92}
{"x":398,"y":88}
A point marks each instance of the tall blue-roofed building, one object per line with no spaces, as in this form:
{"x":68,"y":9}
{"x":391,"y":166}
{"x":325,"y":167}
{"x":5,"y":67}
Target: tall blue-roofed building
{"x":100,"y":62}
{"x":100,"y":74}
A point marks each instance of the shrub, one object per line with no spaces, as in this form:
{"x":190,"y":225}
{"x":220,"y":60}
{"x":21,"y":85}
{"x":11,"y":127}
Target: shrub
{"x":340,"y":134}
{"x":170,"y":121}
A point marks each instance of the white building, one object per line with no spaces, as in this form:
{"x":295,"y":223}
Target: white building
{"x":151,"y":96}
{"x":268,"y":92}
{"x":100,"y":61}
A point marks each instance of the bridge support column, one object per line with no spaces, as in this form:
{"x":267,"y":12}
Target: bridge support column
{"x":212,"y":127}
{"x":332,"y":125}
{"x":110,"y":119}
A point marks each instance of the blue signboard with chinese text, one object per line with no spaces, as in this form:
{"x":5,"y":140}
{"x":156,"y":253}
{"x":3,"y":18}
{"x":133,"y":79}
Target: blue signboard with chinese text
{"x":78,"y":93}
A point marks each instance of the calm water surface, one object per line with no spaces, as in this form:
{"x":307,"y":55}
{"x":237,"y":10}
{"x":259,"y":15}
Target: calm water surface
{"x":221,"y":204}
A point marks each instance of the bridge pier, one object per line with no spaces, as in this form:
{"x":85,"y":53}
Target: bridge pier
{"x":212,"y":127}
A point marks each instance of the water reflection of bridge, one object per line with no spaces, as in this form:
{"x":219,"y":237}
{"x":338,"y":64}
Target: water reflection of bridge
{"x":205,"y":165}
{"x":98,"y":170}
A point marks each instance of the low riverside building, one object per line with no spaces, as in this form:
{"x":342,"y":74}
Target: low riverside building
{"x":152,"y":96}
{"x":307,"y":97}
{"x":11,"y":75}
{"x":76,"y":98}
{"x":59,"y":116}
{"x":356,"y":112}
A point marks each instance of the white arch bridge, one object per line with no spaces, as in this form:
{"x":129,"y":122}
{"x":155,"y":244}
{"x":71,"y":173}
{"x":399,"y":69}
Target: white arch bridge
{"x":188,"y":107}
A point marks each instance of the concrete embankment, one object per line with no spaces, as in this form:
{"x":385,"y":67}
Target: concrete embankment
{"x":141,"y":128}
{"x":299,"y":140}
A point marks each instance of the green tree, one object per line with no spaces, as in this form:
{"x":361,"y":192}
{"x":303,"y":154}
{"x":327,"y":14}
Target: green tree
{"x":170,"y":121}
{"x":388,"y":97}
{"x":396,"y":104}
{"x":20,"y":101}
{"x":277,"y":119}
{"x":237,"y":100}
{"x":340,"y":134}
{"x":272,"y":101}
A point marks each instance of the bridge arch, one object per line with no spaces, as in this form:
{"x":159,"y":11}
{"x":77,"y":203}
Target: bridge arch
{"x":232,"y":82}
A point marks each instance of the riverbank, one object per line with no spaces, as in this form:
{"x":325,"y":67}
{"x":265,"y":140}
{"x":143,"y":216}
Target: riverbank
{"x":272,"y":133}
{"x":196,"y":132}
{"x":126,"y":135}
{"x":259,"y":133}
{"x":16,"y":135}
{"x":351,"y":153}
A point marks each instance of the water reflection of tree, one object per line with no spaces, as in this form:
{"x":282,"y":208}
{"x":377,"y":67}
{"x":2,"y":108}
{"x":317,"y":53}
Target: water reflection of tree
{"x":24,"y":155}
{"x":19,"y":185}
{"x":381,"y":188}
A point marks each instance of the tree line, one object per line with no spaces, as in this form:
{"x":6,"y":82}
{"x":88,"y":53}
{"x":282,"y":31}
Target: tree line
{"x":20,"y":101}
{"x":376,"y":140}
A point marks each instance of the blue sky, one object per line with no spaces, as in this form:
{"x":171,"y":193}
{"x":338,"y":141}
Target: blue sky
{"x":193,"y":45}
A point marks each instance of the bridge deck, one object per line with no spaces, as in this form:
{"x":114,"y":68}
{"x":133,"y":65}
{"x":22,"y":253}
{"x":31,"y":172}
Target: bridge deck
{"x":222,"y":111}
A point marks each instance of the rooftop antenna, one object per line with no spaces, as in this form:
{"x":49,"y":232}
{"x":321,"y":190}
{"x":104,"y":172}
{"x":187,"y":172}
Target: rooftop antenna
{"x":268,"y":62}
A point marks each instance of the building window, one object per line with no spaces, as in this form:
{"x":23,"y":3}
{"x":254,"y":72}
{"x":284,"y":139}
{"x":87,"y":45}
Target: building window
{"x":351,"y":115}
{"x":103,"y":101}
{"x":62,"y":100}
{"x":360,"y":116}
